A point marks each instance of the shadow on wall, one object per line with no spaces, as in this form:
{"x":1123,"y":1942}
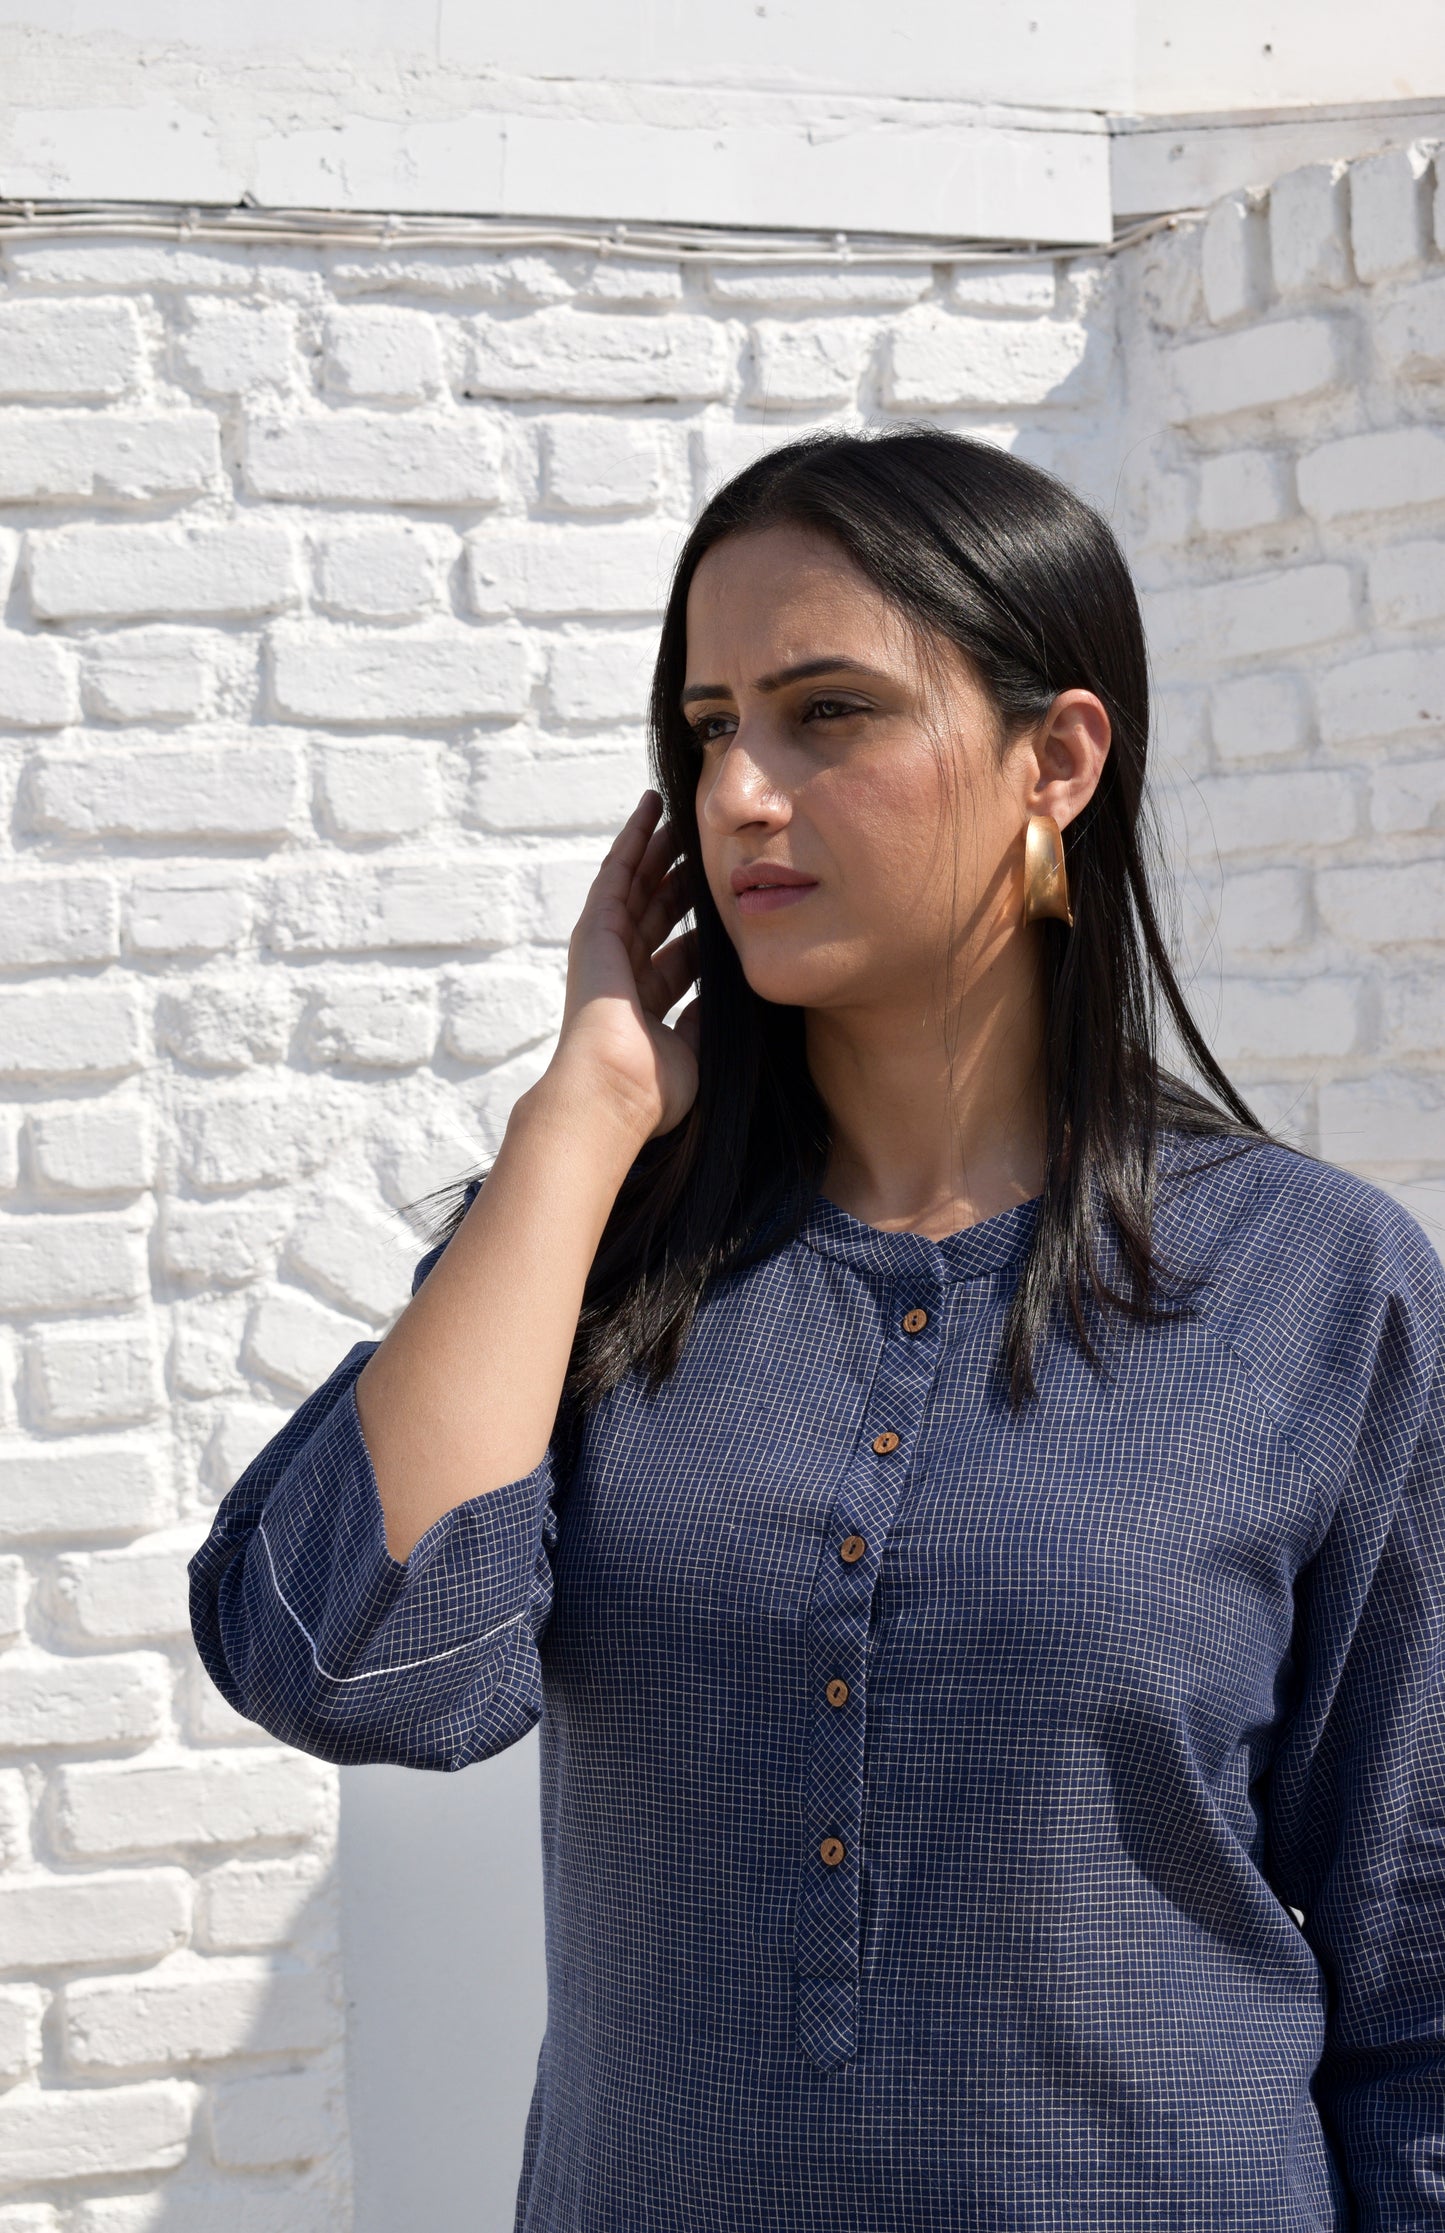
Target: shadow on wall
{"x":445,"y":1986}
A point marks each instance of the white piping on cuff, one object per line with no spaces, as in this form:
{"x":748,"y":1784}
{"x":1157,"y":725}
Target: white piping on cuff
{"x":377,"y":1674}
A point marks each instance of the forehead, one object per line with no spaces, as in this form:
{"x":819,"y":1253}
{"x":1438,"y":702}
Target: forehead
{"x":777,"y":592}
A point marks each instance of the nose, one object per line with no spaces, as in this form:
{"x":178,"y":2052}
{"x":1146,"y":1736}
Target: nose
{"x":740,"y":792}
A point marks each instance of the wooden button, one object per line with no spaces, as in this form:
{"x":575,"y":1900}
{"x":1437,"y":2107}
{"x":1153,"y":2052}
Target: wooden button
{"x":914,"y":1321}
{"x":837,"y":1692}
{"x":831,"y":1852}
{"x":851,"y":1549}
{"x":883,"y":1443}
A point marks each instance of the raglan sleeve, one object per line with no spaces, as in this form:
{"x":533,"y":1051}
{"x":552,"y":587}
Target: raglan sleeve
{"x":307,"y":1625}
{"x":1356,"y":1814}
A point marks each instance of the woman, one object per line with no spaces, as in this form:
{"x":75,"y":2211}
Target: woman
{"x":965,"y":1507}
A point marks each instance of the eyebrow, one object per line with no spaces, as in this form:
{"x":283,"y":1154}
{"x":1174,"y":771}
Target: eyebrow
{"x":805,"y":671}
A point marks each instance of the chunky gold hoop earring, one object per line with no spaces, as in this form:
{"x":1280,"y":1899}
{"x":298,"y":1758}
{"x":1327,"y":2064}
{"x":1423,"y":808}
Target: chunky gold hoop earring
{"x":1046,"y":883}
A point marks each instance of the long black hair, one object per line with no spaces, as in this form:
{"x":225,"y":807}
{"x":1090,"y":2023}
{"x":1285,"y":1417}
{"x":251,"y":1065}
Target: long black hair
{"x":1027,"y":580}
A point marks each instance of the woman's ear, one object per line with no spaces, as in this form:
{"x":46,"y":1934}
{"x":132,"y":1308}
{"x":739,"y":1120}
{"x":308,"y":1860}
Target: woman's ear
{"x":1066,"y":756}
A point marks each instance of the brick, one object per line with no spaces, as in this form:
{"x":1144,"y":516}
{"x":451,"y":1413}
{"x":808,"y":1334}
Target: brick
{"x":1390,"y":211}
{"x":93,"y":1147}
{"x":1399,"y":904}
{"x":797,"y":363}
{"x":492,"y":1013}
{"x":1309,"y":225}
{"x":240,"y":1432}
{"x":95,"y":1031}
{"x":128,"y":263}
{"x":226,"y":1027}
{"x":1386,"y":693}
{"x":381,"y":353}
{"x":375,"y":457}
{"x":514,"y":789}
{"x":113,"y":1488}
{"x":1411,"y":1008}
{"x":132,"y":1595}
{"x":232,"y":571}
{"x":148,"y":674}
{"x":1259,"y":717}
{"x":1290,"y":1019}
{"x":105,"y":458}
{"x":601,"y":465}
{"x":1409,"y":795}
{"x":1263,"y":910}
{"x":205,"y":1349}
{"x":262,"y":1135}
{"x":1373,"y":473}
{"x":411,"y":676}
{"x":104,"y":1807}
{"x":933,"y":362}
{"x":560,"y":886}
{"x":69,"y":1263}
{"x":9,"y":559}
{"x":1021,"y":287}
{"x":22,"y":2008}
{"x":224,"y":2006}
{"x":1234,"y":257}
{"x":120,"y":1915}
{"x":572,"y":357}
{"x":68,"y":351}
{"x":28,"y":2217}
{"x":187,"y":909}
{"x":223,"y":1243}
{"x":9,"y":1180}
{"x":55,"y":917}
{"x":723,"y":448}
{"x":619,"y":281}
{"x":232,"y":348}
{"x":263,"y":2123}
{"x":1394,"y":1117}
{"x":382,"y":573}
{"x":371,"y":1023}
{"x":434,"y":1149}
{"x":14,"y":1821}
{"x":46,"y":1700}
{"x":163,"y":790}
{"x":296,"y":1341}
{"x":111,"y":2131}
{"x":102,"y":1373}
{"x":355,"y":1257}
{"x":1411,"y":332}
{"x":12,"y":1606}
{"x":243,"y":1906}
{"x":1407,"y":584}
{"x":364,"y":910}
{"x":1242,"y":489}
{"x":819,"y":286}
{"x":1287,"y":610}
{"x":602,"y":677}
{"x":383,"y":787}
{"x":235,"y":2205}
{"x":495,"y":1096}
{"x":1260,"y":368}
{"x":39,"y":683}
{"x":1301,"y":808}
{"x":566,"y":570}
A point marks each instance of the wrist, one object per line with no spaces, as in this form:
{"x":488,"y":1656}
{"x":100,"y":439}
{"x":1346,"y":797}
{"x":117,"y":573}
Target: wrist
{"x":603,"y":1117}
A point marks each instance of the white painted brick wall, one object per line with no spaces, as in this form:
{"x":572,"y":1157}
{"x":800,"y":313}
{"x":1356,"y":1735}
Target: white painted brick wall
{"x":1318,"y":635}
{"x":331,"y":585}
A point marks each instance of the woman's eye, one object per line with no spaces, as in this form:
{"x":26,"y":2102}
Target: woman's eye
{"x":711,"y":727}
{"x":831,"y":709}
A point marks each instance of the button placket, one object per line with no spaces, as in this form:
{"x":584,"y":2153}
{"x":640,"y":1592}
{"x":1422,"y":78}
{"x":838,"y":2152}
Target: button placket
{"x":827,"y":1944}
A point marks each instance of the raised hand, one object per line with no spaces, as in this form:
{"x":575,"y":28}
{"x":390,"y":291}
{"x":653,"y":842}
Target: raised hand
{"x":622,"y":979}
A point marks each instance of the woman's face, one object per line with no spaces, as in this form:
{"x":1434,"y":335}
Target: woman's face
{"x":828,"y":745}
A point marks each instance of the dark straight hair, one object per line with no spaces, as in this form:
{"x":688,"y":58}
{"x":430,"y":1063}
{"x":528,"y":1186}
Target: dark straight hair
{"x":1008,"y":564}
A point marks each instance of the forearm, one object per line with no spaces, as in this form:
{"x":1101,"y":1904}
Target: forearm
{"x":462,"y":1394}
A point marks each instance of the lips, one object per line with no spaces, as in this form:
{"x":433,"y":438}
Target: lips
{"x":768,"y":886}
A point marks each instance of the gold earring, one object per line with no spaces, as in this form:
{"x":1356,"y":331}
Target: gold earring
{"x":1046,"y":883}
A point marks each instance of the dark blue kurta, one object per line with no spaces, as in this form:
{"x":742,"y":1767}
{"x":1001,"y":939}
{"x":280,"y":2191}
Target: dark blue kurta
{"x":923,"y":1820}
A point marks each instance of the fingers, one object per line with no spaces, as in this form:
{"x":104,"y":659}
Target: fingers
{"x":624,"y":856}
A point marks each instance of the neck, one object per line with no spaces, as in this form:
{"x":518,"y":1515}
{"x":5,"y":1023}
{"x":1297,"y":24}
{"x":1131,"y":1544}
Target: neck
{"x":936,"y":1112}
